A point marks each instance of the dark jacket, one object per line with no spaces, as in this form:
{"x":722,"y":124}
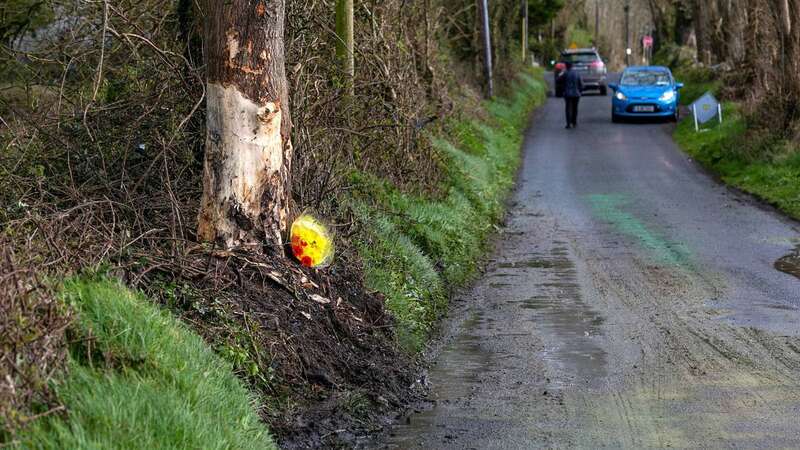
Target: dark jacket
{"x":560,"y":79}
{"x":573,"y":84}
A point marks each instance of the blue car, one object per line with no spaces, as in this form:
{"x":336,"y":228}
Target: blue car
{"x":646,"y":91}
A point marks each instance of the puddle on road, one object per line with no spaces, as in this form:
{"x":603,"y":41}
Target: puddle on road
{"x":504,"y":275}
{"x":790,"y":264}
{"x":456,"y":378}
{"x":463,"y":362}
{"x":535,"y":264}
{"x":576,"y":327}
{"x":570,"y":327}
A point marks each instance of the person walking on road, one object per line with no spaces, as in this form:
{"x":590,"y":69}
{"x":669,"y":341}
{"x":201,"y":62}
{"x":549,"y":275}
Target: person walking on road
{"x":573,"y":86}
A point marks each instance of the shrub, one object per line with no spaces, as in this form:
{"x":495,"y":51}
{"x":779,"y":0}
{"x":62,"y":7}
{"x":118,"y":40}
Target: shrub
{"x":32,"y":346}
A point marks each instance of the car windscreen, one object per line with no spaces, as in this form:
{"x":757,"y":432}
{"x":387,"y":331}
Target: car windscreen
{"x":579,"y":57}
{"x":645,"y":78}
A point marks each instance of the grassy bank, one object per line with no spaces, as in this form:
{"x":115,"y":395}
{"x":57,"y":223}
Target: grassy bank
{"x":755,"y":163}
{"x":418,"y":248}
{"x":139,"y":378}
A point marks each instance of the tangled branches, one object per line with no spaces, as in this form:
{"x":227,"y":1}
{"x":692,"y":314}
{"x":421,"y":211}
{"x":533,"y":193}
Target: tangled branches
{"x":32,"y":344}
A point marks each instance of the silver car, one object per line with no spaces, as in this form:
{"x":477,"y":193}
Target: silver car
{"x":588,"y":63}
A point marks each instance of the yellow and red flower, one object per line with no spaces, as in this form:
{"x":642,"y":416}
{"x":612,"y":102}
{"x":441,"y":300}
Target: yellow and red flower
{"x":312,"y":243}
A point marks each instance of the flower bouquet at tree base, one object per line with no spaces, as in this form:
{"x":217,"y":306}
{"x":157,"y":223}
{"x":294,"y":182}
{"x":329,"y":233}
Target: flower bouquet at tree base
{"x":312,"y":243}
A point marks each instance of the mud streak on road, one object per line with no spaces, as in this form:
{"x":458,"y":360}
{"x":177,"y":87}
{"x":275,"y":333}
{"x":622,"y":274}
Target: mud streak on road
{"x":632,"y":303}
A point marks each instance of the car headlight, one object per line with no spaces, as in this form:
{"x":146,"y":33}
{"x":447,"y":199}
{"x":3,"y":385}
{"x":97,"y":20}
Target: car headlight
{"x":620,"y":96}
{"x":667,"y":96}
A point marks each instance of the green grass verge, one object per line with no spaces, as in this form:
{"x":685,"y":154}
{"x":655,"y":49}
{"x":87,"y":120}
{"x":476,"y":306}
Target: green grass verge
{"x":416,"y":248}
{"x":139,"y":378}
{"x":760,"y":165}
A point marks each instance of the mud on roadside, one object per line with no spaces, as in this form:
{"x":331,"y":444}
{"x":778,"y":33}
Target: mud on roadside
{"x":790,"y":263}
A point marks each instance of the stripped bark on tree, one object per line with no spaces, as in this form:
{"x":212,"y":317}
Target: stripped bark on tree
{"x":246,"y":186}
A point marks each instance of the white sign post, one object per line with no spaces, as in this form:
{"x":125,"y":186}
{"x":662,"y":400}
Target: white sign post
{"x":706,"y":108}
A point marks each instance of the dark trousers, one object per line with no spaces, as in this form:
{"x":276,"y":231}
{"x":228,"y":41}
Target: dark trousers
{"x":572,"y":109}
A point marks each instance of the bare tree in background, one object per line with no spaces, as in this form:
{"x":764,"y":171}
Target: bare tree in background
{"x":788,"y":18}
{"x":248,"y":148}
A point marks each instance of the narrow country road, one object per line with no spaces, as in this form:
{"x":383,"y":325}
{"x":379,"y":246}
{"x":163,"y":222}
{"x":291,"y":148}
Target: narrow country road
{"x":632,"y":302}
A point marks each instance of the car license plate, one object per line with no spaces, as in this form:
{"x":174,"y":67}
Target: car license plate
{"x":644,"y":108}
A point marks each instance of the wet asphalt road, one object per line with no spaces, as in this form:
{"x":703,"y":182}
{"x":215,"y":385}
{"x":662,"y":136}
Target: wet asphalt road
{"x":632,"y":302}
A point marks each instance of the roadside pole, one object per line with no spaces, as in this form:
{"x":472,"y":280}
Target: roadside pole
{"x":524,"y":31}
{"x":627,"y":33}
{"x":596,"y":22}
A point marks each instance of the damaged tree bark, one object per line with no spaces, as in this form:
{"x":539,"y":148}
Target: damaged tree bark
{"x":246,"y":186}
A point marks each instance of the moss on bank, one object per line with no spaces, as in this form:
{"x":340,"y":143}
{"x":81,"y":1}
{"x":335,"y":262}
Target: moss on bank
{"x":418,"y":248}
{"x":139,"y":378}
{"x":755,"y":163}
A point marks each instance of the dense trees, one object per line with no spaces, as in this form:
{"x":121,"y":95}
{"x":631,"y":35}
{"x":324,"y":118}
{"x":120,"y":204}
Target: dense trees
{"x":760,"y":39}
{"x":541,"y":12}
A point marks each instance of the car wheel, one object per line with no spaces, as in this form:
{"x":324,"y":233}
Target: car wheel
{"x":603,"y":91}
{"x":675,"y":117}
{"x":615,"y":118}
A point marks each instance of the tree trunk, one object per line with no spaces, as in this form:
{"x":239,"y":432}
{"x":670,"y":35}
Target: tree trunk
{"x":683,"y":25}
{"x":704,"y":29}
{"x":787,"y":14}
{"x":246,"y":185}
{"x":735,"y":23}
{"x":345,"y":42}
{"x":487,"y":47}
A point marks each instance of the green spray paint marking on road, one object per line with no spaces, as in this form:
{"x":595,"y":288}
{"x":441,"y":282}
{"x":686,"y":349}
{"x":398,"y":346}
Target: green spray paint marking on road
{"x":609,"y":207}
